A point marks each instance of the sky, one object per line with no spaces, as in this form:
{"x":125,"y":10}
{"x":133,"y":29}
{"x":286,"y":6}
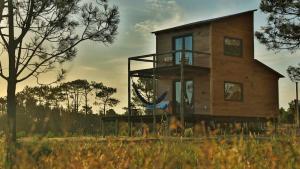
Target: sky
{"x":108,"y":63}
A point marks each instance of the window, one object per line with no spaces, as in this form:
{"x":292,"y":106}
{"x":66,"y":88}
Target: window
{"x":233,"y":47}
{"x":183,"y":43}
{"x":233,"y":91}
{"x":188,"y":96}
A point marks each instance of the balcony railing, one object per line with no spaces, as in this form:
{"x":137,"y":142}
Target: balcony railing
{"x":173,"y":58}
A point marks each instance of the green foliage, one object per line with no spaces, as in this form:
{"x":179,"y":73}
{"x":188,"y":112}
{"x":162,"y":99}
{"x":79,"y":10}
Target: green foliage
{"x":145,"y":86}
{"x":294,"y":73}
{"x":111,"y":112}
{"x":2,"y":152}
{"x":54,"y":110}
{"x":283,"y":28}
{"x":286,"y":116}
{"x":289,"y":115}
{"x":104,"y":96}
{"x":188,"y":132}
{"x":21,"y":134}
{"x":50,"y":134}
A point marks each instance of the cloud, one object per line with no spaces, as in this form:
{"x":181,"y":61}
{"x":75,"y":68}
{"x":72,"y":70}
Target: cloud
{"x":160,"y":14}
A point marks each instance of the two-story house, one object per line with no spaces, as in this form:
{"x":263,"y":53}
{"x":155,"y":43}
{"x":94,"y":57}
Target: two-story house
{"x":220,"y":76}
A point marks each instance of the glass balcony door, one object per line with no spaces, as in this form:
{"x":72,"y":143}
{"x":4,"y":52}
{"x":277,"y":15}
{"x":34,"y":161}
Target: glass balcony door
{"x":188,"y":96}
{"x":183,"y":43}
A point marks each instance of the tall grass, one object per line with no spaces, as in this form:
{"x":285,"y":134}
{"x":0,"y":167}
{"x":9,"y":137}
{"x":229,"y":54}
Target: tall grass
{"x":228,"y":153}
{"x":2,"y":152}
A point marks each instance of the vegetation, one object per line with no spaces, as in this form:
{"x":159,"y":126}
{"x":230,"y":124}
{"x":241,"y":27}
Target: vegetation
{"x":145,"y":86}
{"x":37,"y":36}
{"x":288,"y":115}
{"x":104,"y":97}
{"x":60,"y":110}
{"x":237,"y":152}
{"x":283,"y":28}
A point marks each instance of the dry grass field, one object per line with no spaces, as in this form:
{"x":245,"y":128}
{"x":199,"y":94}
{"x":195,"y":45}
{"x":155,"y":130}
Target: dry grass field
{"x":234,"y":152}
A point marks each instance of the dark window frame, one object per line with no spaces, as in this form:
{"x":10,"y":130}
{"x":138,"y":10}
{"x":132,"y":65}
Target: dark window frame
{"x":183,"y":44}
{"x":174,"y":94}
{"x":242,"y":91}
{"x":241,"y":48}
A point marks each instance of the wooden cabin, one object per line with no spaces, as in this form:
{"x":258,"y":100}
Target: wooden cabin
{"x":214,"y":62}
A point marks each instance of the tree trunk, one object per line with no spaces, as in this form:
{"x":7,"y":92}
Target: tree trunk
{"x":86,"y":103}
{"x":11,"y":119}
{"x":68,"y":102}
{"x":77,"y":102}
{"x":11,"y":91}
{"x":104,"y":109}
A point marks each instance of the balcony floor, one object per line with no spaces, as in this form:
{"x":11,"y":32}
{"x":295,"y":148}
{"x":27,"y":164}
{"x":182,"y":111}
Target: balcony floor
{"x":170,"y":70}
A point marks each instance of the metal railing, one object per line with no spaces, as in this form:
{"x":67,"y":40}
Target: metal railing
{"x":173,"y":58}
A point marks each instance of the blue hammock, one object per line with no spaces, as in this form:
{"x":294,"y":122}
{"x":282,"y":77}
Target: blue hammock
{"x":150,"y":105}
{"x":162,"y":105}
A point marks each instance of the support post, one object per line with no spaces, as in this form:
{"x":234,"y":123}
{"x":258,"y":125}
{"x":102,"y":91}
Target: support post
{"x":129,"y":101}
{"x":297,"y":106}
{"x":182,"y":86}
{"x":154,"y":94}
{"x":206,"y":128}
{"x":117,"y":127}
{"x":102,"y":127}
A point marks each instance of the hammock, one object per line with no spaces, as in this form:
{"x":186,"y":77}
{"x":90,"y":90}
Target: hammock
{"x":162,"y":105}
{"x":139,"y":95}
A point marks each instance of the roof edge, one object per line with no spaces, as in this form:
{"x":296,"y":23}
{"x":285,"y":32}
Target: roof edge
{"x":202,"y":21}
{"x":269,"y":68}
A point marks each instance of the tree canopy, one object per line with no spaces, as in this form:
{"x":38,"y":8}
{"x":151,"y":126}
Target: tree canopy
{"x":283,"y":27}
{"x":294,"y":73}
{"x":45,"y":33}
{"x":38,"y":35}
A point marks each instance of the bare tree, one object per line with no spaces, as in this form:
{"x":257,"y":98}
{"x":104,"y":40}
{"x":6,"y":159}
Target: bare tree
{"x":38,"y":35}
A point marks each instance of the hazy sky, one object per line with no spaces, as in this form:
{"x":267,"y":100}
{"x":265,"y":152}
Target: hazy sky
{"x":108,"y":64}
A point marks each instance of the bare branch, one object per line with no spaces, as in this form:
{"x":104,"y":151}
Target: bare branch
{"x":1,"y":72}
{"x":2,"y":6}
{"x":48,"y":59}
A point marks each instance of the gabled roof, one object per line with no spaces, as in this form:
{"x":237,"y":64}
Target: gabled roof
{"x":202,"y":22}
{"x":268,"y":68}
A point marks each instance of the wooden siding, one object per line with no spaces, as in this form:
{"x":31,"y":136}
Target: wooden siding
{"x":201,"y":91}
{"x":164,"y":43}
{"x":260,"y":86}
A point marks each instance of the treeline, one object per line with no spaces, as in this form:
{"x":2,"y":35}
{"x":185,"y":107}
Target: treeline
{"x":288,"y":115}
{"x":74,"y":107}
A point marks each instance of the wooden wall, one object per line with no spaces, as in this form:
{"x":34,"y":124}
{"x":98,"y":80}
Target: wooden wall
{"x":260,"y":85}
{"x":201,"y":91}
{"x":164,"y":44}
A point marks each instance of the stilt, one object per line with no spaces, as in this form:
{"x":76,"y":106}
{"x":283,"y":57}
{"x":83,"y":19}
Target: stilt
{"x":117,"y":127}
{"x":129,"y":101}
{"x":154,"y":94}
{"x":206,"y":128}
{"x":275,"y":125}
{"x":182,"y":87}
{"x":102,"y":128}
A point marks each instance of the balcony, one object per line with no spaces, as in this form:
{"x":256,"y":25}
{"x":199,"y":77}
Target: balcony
{"x":169,"y":63}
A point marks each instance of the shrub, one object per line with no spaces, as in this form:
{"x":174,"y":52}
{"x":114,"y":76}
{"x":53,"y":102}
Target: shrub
{"x":188,"y":132}
{"x":21,"y":134}
{"x":50,"y":134}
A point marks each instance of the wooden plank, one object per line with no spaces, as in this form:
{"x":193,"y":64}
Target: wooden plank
{"x":142,"y":60}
